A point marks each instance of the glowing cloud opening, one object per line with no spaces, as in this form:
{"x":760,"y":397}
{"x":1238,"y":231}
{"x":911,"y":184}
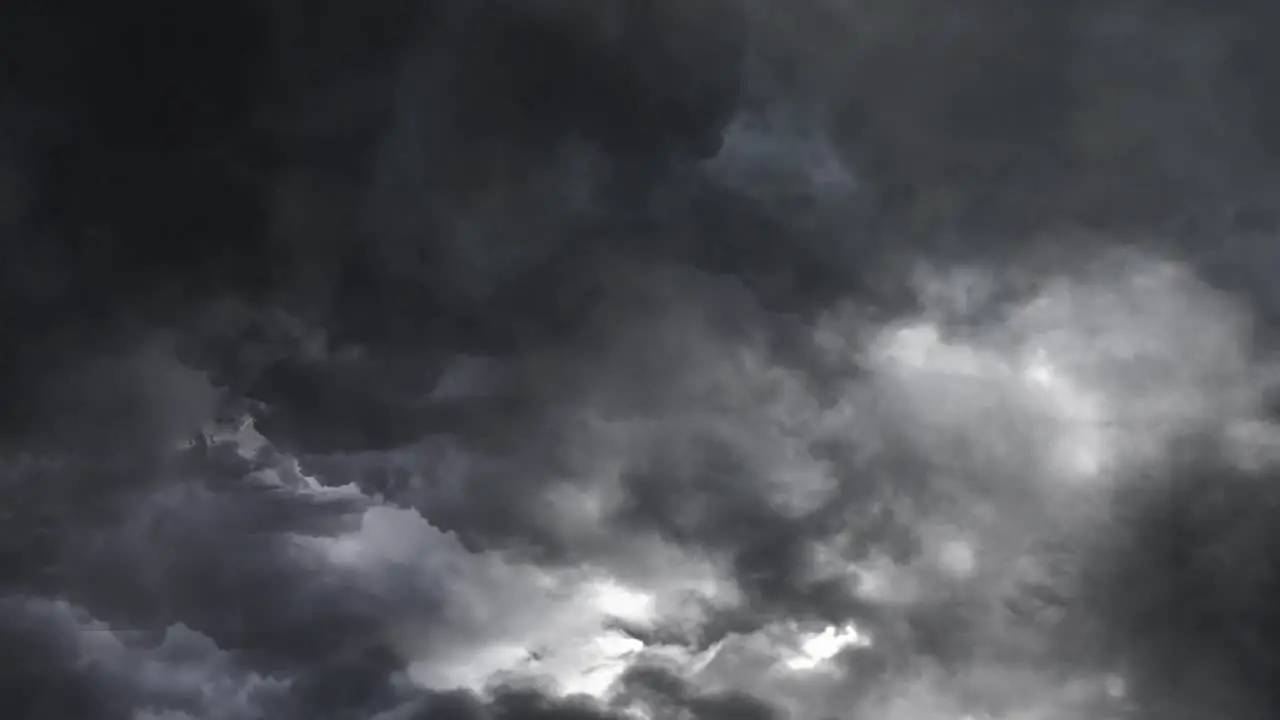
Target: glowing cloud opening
{"x":817,"y":649}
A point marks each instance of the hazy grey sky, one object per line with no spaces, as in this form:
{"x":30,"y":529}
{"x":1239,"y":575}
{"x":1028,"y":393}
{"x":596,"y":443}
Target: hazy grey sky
{"x":827,"y":360}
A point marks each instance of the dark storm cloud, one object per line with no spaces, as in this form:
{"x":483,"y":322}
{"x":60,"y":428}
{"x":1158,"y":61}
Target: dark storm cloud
{"x":705,"y":360}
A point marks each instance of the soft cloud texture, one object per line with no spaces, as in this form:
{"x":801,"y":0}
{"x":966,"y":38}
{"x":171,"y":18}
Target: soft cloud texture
{"x":689,"y":361}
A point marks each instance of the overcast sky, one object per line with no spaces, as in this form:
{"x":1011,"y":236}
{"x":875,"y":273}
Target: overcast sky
{"x":812,"y":360}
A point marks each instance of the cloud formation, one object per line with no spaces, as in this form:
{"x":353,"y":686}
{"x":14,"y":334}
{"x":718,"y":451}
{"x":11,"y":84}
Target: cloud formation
{"x":687,"y":361}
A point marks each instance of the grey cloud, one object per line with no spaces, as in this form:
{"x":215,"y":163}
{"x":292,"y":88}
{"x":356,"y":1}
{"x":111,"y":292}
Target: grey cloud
{"x":497,"y":363}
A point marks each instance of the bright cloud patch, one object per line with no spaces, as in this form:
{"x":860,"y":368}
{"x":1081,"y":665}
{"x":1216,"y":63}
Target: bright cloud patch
{"x":818,"y":648}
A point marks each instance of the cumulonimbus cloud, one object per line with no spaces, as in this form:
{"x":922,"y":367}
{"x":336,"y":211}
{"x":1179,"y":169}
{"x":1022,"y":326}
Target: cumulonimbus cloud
{"x":645,"y":376}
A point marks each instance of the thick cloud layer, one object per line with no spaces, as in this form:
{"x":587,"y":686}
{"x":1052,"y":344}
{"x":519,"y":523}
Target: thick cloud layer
{"x":614,"y":360}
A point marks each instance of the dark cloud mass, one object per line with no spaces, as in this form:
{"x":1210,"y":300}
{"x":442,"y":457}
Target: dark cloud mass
{"x":624,"y":360}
